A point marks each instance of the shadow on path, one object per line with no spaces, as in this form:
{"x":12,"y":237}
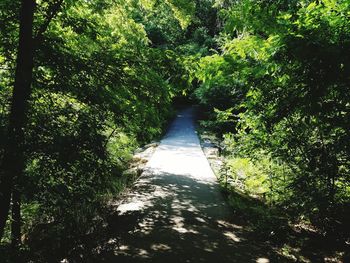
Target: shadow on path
{"x":175,"y":223}
{"x":176,"y":211}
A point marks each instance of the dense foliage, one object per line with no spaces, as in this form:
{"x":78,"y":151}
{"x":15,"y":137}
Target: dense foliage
{"x":104,"y":77}
{"x":273,"y":78}
{"x":279,"y":93}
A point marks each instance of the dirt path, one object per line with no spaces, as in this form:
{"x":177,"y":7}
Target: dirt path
{"x":176,"y":212}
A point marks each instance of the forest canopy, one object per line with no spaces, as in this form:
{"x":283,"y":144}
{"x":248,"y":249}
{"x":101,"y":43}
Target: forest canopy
{"x":84,"y":83}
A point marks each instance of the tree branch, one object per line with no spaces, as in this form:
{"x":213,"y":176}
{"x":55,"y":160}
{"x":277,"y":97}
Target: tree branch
{"x":52,"y":12}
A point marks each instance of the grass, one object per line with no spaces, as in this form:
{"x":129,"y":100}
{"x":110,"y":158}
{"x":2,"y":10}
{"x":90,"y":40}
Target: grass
{"x":295,"y":240}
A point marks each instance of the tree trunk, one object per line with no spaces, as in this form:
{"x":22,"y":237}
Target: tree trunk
{"x":13,"y":159}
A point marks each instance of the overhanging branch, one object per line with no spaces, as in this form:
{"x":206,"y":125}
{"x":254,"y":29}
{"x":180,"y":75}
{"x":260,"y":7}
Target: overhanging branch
{"x":52,"y":12}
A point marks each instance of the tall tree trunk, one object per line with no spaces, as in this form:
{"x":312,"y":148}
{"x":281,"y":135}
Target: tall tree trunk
{"x":13,"y":160}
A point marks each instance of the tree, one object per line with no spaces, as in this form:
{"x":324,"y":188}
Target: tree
{"x":284,"y":70}
{"x":13,"y":160}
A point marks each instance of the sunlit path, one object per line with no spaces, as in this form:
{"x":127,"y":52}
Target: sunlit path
{"x":176,"y":212}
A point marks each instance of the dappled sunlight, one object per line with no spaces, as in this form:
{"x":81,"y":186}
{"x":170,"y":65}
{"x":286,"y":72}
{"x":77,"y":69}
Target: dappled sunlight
{"x":232,"y":236}
{"x":159,"y":247}
{"x":228,"y":224}
{"x":178,"y":224}
{"x":133,"y":206}
{"x":123,"y":247}
{"x":142,"y":253}
{"x":199,"y":219}
{"x":262,"y":260}
{"x":175,"y":212}
{"x":88,"y":89}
